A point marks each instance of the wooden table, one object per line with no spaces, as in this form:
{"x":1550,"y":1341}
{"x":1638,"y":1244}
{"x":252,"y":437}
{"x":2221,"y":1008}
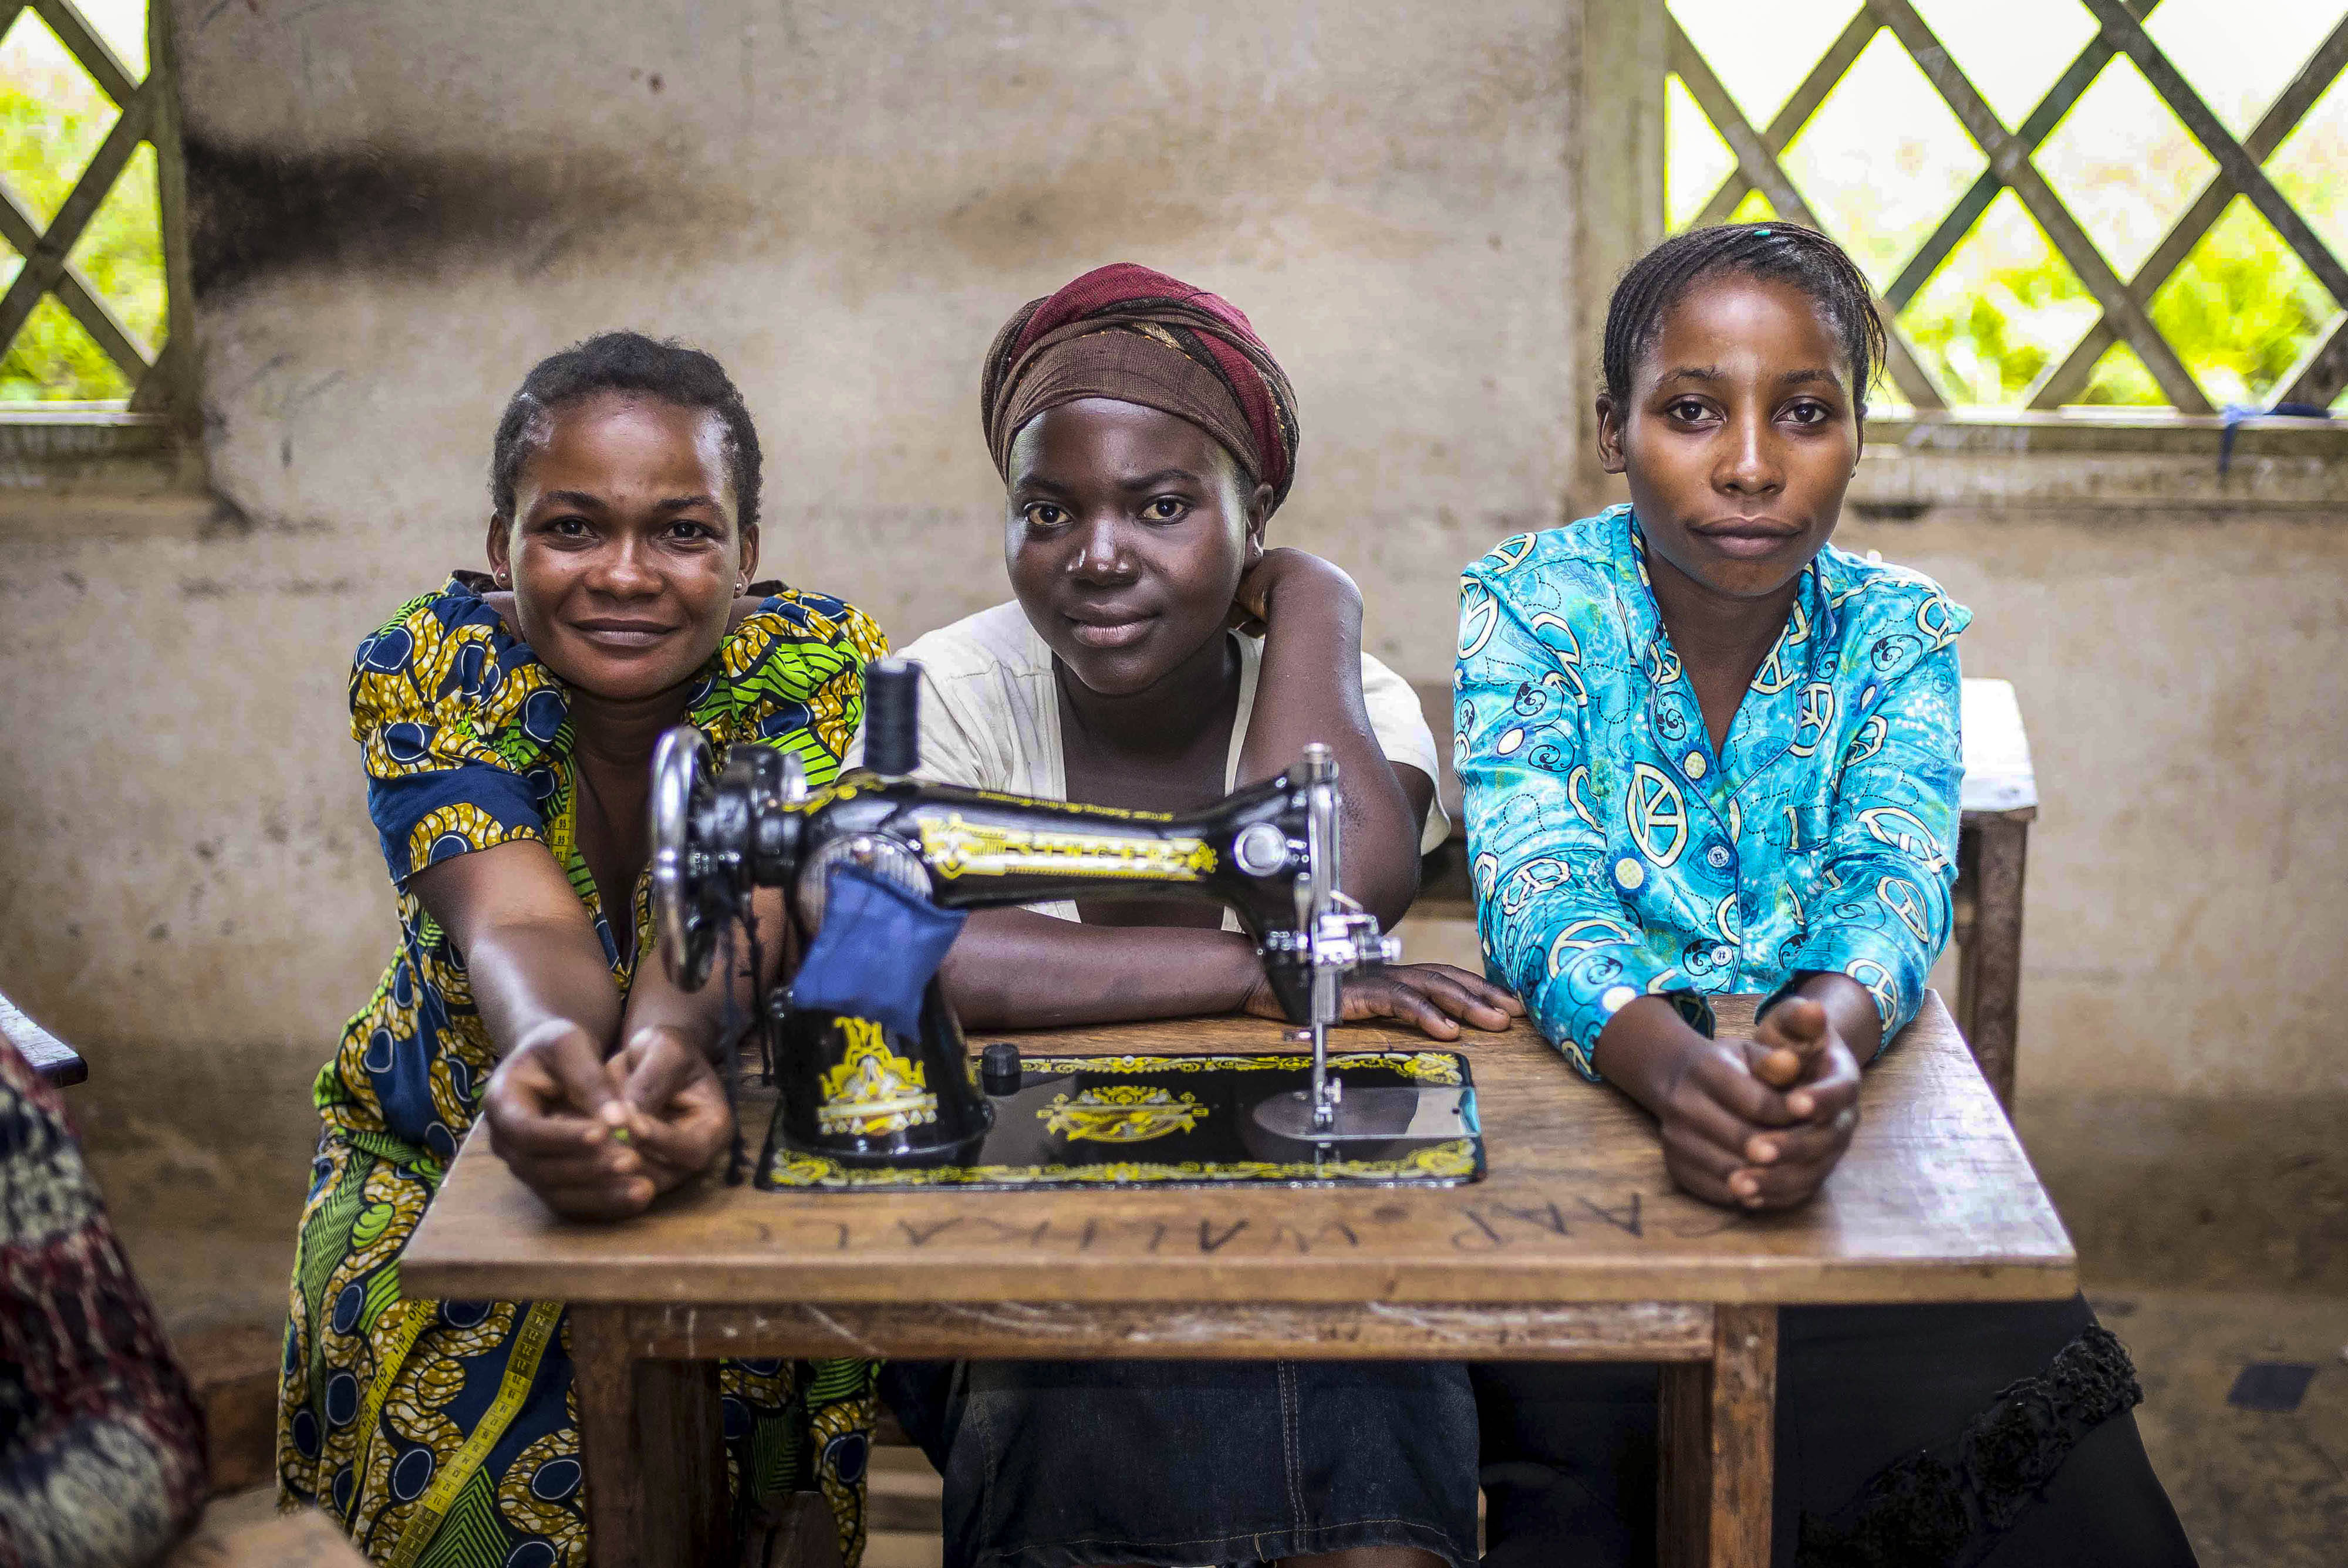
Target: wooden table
{"x":1575,"y":1248}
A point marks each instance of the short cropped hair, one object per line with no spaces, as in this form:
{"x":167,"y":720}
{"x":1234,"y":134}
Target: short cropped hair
{"x":1775,"y":253}
{"x":632,"y":365}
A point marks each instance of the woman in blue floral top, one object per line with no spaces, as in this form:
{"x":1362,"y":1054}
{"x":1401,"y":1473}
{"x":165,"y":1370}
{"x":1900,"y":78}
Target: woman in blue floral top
{"x":1706,"y":752}
{"x":506,"y":724}
{"x":1835,"y":785}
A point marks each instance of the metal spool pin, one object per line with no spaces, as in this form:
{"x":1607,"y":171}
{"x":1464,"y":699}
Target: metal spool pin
{"x":892,"y":718}
{"x":892,"y":748}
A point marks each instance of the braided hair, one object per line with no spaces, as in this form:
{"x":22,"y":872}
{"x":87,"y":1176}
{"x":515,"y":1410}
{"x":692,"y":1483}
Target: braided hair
{"x":1773,"y":252}
{"x":631,"y":364}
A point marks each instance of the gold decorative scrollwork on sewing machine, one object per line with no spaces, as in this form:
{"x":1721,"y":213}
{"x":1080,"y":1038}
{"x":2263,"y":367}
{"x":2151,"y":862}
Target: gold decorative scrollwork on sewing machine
{"x":955,"y":847}
{"x":1121,"y":1113}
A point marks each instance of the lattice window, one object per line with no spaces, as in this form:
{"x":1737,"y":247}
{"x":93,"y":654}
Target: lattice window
{"x":89,"y":199}
{"x":2182,"y":257}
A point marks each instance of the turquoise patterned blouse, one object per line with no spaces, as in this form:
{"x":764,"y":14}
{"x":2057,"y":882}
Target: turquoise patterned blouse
{"x":1616,"y":855}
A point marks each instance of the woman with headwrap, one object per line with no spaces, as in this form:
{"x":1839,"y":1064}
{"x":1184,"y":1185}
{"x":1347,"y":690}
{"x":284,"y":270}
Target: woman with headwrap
{"x":1157,"y":656}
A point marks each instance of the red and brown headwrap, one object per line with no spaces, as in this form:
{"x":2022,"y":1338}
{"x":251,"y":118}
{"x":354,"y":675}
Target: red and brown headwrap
{"x":1125,"y":332}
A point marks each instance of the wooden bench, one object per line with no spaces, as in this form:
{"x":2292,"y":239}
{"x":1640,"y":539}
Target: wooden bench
{"x":2000,"y":802}
{"x":51,"y":1057}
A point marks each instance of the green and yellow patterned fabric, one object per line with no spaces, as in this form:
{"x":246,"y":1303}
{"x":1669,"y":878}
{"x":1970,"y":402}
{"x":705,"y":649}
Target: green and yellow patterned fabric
{"x":443,"y":1434}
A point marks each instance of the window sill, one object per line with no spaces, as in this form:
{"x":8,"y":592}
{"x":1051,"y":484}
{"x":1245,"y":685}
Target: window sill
{"x":82,"y":469}
{"x":2135,"y":460}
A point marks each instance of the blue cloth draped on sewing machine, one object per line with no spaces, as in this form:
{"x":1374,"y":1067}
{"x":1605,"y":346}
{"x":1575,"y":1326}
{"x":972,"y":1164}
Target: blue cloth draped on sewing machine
{"x":878,"y":948}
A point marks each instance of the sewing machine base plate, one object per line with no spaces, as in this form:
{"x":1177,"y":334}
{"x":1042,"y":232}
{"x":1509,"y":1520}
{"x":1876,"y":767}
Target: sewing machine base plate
{"x":1184,"y":1121}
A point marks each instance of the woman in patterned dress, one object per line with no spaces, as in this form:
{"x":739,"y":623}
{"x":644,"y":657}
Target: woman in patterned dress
{"x":507,"y":725}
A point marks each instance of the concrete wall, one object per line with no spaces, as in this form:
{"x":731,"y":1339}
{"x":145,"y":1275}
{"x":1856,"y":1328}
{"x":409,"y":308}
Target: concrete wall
{"x":398,"y":208}
{"x":2183,"y":676}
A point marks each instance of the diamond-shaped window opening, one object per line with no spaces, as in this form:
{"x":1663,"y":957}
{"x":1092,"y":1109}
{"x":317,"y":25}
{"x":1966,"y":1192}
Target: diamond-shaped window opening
{"x":52,"y":117}
{"x":2241,"y":310}
{"x":2308,"y":168}
{"x":122,"y":252}
{"x":2001,"y":309}
{"x":2124,"y":165}
{"x":1761,"y":50}
{"x":53,"y":359}
{"x":1882,"y":160}
{"x":1981,"y":36}
{"x":2239,"y":57}
{"x":123,"y":24}
{"x":1695,"y":159}
{"x":2120,"y":379}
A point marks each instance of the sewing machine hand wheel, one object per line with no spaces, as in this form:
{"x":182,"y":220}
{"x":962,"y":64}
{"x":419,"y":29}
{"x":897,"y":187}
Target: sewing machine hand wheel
{"x":681,"y":923}
{"x":703,"y":838}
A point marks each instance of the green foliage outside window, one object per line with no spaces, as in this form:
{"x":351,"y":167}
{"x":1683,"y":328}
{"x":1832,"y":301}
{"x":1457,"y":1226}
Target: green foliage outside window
{"x":53,"y":118}
{"x":1877,"y":167}
{"x":1884,"y":159}
{"x":2239,"y":313}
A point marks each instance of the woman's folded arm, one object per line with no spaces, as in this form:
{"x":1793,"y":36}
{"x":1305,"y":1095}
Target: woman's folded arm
{"x":1309,"y":689}
{"x":1016,"y":969}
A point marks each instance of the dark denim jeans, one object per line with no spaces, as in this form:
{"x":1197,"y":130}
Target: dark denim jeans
{"x":1068,"y":1464}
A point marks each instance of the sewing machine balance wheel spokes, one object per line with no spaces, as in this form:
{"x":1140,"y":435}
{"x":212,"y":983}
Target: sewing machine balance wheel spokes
{"x":703,"y":838}
{"x":680,"y":920}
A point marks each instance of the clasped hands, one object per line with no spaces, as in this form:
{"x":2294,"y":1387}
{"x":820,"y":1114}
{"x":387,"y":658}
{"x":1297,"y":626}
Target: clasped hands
{"x":1752,"y":1124}
{"x":598,"y":1137}
{"x":1758,"y":1123}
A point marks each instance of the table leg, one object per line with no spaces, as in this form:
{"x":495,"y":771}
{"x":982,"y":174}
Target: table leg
{"x":1990,"y":984}
{"x":1718,"y":1436}
{"x":652,"y":1439}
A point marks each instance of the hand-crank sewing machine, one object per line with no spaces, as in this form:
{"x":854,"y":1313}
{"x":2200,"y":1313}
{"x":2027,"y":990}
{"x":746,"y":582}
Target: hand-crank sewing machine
{"x":876,"y":1083}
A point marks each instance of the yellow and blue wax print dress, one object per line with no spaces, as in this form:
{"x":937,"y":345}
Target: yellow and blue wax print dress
{"x":445,"y":1432}
{"x":1616,"y":855}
